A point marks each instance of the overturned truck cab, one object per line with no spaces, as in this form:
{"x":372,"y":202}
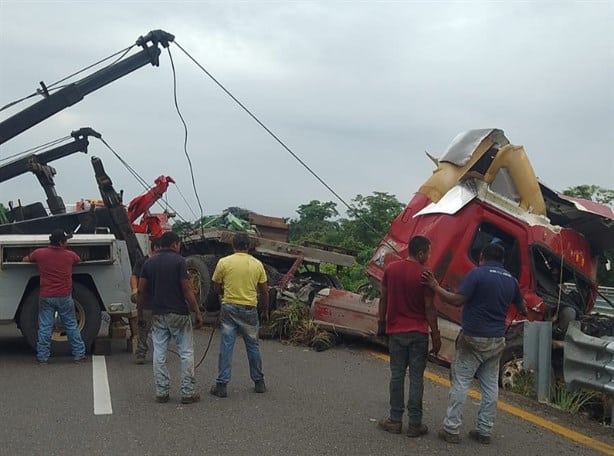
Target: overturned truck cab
{"x":484,"y":190}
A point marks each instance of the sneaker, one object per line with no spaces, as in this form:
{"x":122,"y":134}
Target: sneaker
{"x":448,"y":436}
{"x":417,"y":430}
{"x":80,"y":360}
{"x":162,"y":399}
{"x":190,"y":399}
{"x":219,"y":390}
{"x":480,"y":438}
{"x":139,"y":359}
{"x":42,"y":361}
{"x":259,"y":386}
{"x":388,"y":425}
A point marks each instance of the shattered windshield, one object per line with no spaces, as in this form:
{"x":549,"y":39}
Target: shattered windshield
{"x":559,"y":284}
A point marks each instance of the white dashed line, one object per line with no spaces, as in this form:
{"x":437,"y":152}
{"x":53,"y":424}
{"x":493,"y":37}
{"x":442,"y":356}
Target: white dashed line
{"x":102,"y":394}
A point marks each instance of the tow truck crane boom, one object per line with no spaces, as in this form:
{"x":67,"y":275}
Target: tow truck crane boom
{"x":75,"y":92}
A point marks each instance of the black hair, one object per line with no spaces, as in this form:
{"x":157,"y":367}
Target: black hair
{"x":418,"y":244}
{"x":168,"y":239}
{"x":155,"y":243}
{"x":494,"y":252}
{"x":240,"y":241}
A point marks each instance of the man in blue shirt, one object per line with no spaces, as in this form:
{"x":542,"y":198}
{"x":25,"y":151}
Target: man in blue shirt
{"x":486,"y":293}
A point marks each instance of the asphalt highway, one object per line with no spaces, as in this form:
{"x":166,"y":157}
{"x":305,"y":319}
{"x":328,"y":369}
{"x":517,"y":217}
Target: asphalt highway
{"x":324,"y":403}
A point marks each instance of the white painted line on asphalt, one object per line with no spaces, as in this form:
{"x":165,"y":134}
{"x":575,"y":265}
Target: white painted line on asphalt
{"x":102,"y":394}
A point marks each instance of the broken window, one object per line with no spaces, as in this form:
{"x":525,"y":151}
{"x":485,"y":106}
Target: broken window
{"x":486,"y":234}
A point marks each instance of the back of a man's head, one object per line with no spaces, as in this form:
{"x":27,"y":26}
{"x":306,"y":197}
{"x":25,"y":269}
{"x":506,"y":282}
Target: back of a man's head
{"x":418,"y":244}
{"x":168,"y":239}
{"x":240,"y":242}
{"x":494,"y":252}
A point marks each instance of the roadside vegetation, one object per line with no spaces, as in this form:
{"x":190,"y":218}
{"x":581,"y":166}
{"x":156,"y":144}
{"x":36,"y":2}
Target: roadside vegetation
{"x":292,"y":324}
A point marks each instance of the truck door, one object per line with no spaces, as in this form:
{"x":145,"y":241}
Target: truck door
{"x":488,"y":228}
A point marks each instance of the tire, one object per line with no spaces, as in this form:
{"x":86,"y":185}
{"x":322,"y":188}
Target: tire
{"x":212,"y":300}
{"x":200,"y":278}
{"x":511,"y":365}
{"x":87,"y":311}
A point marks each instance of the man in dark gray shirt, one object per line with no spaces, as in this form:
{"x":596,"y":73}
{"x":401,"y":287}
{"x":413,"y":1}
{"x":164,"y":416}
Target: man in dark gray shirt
{"x":164,"y":284}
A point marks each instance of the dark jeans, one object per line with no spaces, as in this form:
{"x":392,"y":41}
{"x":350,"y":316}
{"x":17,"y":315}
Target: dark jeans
{"x":236,"y":319}
{"x":407,"y":350}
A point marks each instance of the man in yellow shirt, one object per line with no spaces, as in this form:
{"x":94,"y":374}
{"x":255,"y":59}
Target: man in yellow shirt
{"x":241,"y":281}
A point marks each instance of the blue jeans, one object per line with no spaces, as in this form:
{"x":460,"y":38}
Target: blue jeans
{"x":235,"y":319}
{"x":179,"y":329}
{"x":65,"y":308}
{"x":475,"y":356}
{"x":407,"y":350}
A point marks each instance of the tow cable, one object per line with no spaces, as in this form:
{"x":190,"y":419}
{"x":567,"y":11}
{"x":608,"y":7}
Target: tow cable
{"x":202,"y":359}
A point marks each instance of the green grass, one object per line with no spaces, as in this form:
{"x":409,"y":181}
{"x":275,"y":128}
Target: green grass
{"x":571,"y":401}
{"x":292,"y":323}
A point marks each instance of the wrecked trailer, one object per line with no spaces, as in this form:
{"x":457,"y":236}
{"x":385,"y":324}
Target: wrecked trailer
{"x":293,"y":270}
{"x":484,"y":190}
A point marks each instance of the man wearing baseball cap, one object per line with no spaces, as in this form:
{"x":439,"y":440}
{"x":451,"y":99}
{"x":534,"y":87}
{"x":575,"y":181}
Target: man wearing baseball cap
{"x":55,"y":264}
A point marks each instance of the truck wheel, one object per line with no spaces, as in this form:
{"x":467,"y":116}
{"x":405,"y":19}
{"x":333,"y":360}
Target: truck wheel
{"x":212,"y":300}
{"x":511,"y":366}
{"x":200,"y":278}
{"x":87,"y":312}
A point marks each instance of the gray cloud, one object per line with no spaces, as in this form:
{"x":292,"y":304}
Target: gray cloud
{"x":358,"y":90}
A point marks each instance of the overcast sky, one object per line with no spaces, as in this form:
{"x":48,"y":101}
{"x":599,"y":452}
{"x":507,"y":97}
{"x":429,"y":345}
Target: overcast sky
{"x":359,"y":90}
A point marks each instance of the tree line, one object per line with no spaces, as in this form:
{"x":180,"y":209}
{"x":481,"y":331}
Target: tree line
{"x":369,"y":218}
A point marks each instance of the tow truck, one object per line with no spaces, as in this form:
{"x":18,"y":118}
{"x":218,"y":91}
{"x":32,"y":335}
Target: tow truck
{"x":103,"y":236}
{"x":110,"y":238}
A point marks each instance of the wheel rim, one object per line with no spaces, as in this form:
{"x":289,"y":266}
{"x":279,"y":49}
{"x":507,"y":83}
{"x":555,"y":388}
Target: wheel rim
{"x":196,"y":283}
{"x":510,"y":373}
{"x":59,"y":333}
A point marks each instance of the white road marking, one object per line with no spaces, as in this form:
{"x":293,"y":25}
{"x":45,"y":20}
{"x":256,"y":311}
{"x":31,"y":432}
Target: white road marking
{"x":102,"y":394}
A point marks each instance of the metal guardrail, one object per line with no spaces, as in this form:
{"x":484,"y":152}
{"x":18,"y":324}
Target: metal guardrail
{"x":588,"y":361}
{"x":601,"y":306}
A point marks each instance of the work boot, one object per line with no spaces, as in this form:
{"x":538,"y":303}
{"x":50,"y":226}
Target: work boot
{"x":417,"y":430}
{"x":259,"y":386}
{"x":162,"y":399}
{"x":480,"y":438}
{"x":139,"y":359}
{"x":195,"y":397}
{"x":388,"y":425}
{"x":219,"y":390}
{"x":448,"y":436}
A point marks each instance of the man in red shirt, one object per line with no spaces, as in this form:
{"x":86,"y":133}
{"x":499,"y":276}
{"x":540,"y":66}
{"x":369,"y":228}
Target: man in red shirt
{"x":55,"y":265}
{"x":406,"y":312}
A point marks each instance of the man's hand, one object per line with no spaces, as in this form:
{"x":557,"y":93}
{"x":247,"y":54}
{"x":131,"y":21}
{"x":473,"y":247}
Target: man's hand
{"x":435,"y":342}
{"x":381,"y":328}
{"x":429,"y":279}
{"x":264,"y":315}
{"x":198,"y":320}
{"x":133,"y":295}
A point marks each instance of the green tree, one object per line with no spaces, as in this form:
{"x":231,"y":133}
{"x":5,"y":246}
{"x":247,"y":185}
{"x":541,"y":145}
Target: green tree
{"x":603,"y":196}
{"x":591,"y":192}
{"x":315,"y":222}
{"x":367,"y":222}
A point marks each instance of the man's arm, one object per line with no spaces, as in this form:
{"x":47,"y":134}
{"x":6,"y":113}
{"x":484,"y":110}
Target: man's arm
{"x":141,"y":297}
{"x":456,"y":299}
{"x":188,"y":295}
{"x":134,"y":286}
{"x":263,"y":300}
{"x":382,"y":311}
{"x":431,"y":318}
